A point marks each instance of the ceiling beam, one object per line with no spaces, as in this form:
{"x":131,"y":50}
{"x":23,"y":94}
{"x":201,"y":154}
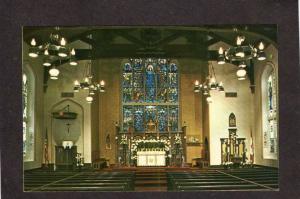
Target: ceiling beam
{"x":128,"y":51}
{"x":130,"y":38}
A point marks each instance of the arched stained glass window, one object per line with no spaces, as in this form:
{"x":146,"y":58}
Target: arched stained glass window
{"x":269,"y":97}
{"x":272,"y":109}
{"x":150,"y":95}
{"x":28,"y":113}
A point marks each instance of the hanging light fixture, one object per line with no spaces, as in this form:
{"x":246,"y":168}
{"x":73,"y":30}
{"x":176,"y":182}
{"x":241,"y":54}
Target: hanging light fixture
{"x":47,"y":61}
{"x":210,"y":84}
{"x":33,"y":49}
{"x":88,"y":84}
{"x":55,"y":49}
{"x":261,"y":55}
{"x":209,"y":99}
{"x":89,"y":99}
{"x":241,"y":73}
{"x":221,"y":57}
{"x":101,"y":86}
{"x":197,"y":86}
{"x":54,"y":72}
{"x":240,"y":54}
{"x":73,"y":61}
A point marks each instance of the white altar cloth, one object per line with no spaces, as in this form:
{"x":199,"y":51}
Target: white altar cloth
{"x":151,"y":158}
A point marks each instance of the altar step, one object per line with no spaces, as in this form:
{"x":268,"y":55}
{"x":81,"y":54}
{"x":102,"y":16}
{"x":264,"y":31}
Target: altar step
{"x":150,"y":181}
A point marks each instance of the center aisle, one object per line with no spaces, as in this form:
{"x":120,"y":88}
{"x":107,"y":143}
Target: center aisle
{"x":150,"y":180}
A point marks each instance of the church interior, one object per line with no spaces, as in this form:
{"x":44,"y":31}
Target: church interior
{"x":146,"y":108}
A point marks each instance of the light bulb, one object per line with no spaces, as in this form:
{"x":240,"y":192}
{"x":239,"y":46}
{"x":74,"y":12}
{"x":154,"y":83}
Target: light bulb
{"x":73,"y":52}
{"x":46,"y":52}
{"x":221,"y":51}
{"x":33,"y":42}
{"x":89,"y":99}
{"x":76,"y":83}
{"x":54,"y":72}
{"x":196,"y":83}
{"x":86,"y":79}
{"x":241,"y":73}
{"x":102,"y":83}
{"x":261,"y":46}
{"x":213,"y":80}
{"x":238,"y":41}
{"x":63,"y":41}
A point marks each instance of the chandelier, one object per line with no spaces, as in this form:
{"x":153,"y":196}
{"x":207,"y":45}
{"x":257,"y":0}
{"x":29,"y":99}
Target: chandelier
{"x":241,"y":53}
{"x":88,"y":84}
{"x":55,"y":49}
{"x":210,"y":84}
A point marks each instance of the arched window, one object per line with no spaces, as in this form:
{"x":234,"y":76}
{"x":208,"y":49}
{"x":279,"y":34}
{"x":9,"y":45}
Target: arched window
{"x":269,"y":113}
{"x":150,"y":96}
{"x":28,"y":114}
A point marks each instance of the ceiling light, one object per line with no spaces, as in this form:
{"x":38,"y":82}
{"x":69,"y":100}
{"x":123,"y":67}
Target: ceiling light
{"x":88,"y":84}
{"x":220,"y":87}
{"x":73,"y":62}
{"x":76,"y":83}
{"x":241,"y":74}
{"x":89,"y":99}
{"x":33,"y":50}
{"x":242,"y":64}
{"x":209,"y":99}
{"x":221,"y":57}
{"x":54,"y":72}
{"x":241,"y":52}
{"x":56,"y":47}
{"x":261,"y":55}
{"x":63,"y":52}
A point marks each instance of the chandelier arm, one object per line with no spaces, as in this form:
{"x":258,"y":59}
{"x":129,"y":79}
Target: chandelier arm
{"x":214,"y":74}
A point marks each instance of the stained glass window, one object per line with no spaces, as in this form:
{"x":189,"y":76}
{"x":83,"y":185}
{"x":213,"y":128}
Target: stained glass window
{"x":25,"y":113}
{"x":150,"y":95}
{"x":272,"y":120}
{"x":269,"y":113}
{"x":27,"y":102}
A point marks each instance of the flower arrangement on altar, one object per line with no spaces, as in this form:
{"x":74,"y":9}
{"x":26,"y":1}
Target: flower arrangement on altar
{"x":149,"y":145}
{"x":124,"y":139}
{"x":177,"y":139}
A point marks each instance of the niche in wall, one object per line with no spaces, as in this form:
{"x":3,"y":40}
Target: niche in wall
{"x":67,"y":129}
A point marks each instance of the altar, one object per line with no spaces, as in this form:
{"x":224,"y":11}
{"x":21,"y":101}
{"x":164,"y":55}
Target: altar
{"x":151,"y":158}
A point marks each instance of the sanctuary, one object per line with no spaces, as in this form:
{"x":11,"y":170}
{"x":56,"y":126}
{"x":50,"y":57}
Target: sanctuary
{"x":150,"y":108}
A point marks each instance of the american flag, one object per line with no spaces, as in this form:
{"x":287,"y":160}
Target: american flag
{"x":46,"y":149}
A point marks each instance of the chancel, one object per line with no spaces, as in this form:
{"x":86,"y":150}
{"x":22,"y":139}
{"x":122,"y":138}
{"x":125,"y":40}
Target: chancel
{"x":150,"y":108}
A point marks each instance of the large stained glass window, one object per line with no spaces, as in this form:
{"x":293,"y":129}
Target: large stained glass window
{"x":150,"y":95}
{"x":272,"y":109}
{"x":27,"y":101}
{"x":270,"y":133}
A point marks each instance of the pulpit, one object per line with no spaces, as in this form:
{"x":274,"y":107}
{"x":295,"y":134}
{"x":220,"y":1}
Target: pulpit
{"x":151,"y":158}
{"x":65,"y":158}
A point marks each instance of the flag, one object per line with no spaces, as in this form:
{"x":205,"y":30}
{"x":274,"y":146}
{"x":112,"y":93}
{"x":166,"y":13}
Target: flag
{"x":46,"y":149}
{"x":251,"y":149}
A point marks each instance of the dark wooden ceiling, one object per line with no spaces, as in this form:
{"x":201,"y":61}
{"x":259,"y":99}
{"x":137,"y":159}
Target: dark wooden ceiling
{"x":138,"y":41}
{"x":161,"y":41}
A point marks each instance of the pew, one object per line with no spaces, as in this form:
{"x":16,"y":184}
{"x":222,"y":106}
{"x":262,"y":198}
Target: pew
{"x":215,"y":179}
{"x":78,"y":181}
